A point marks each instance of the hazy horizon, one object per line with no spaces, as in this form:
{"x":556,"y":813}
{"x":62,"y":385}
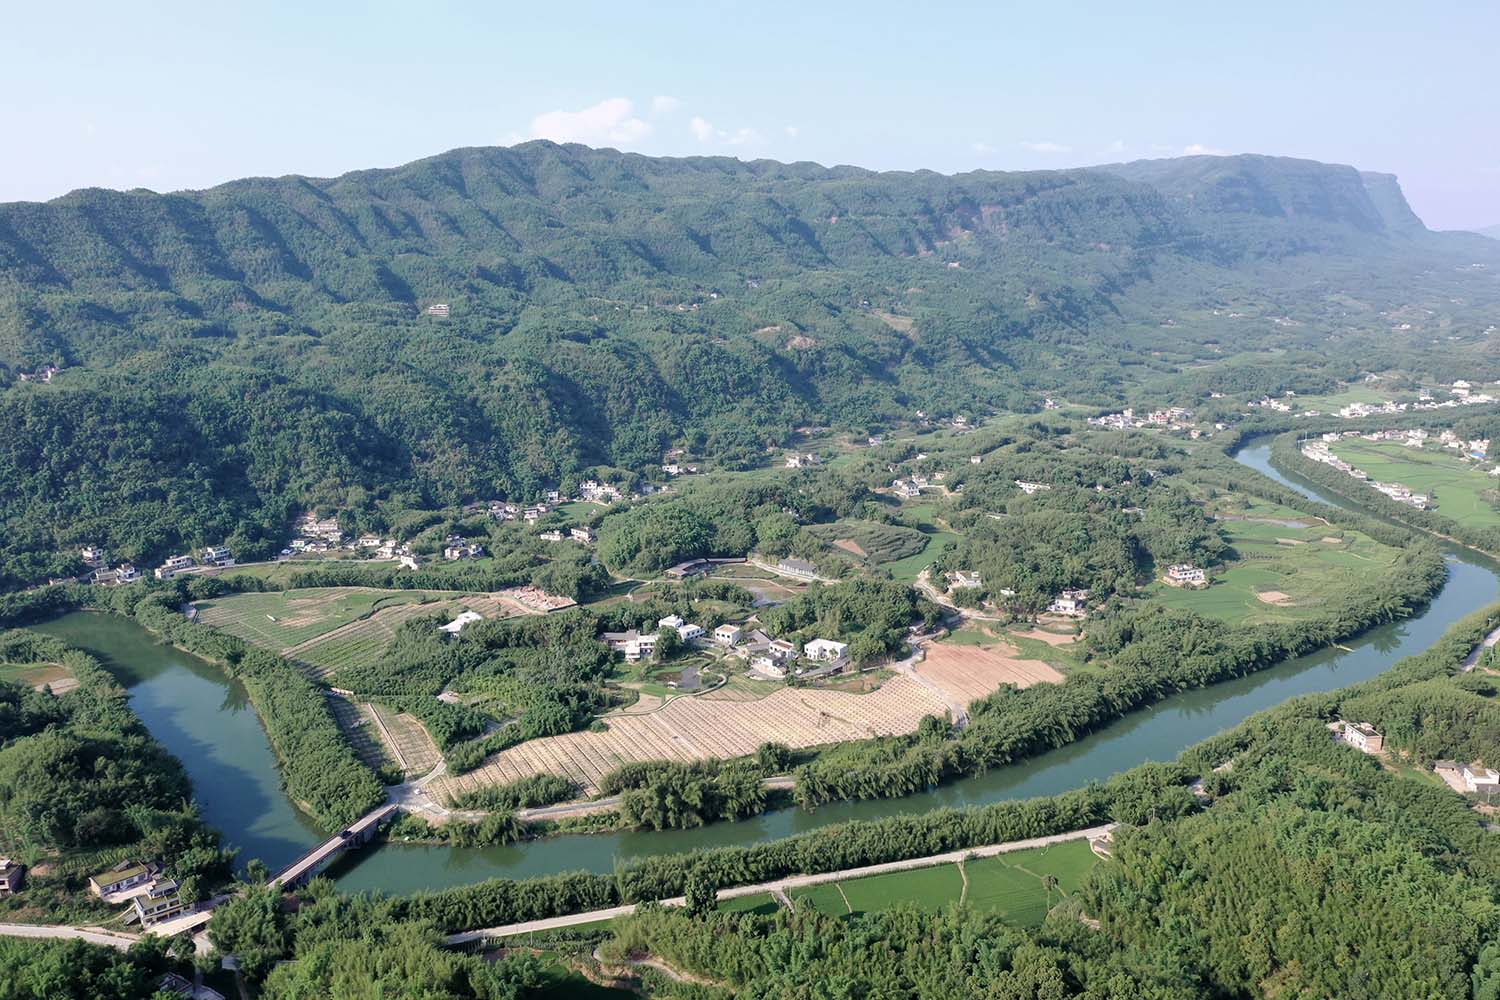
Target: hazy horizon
{"x":183,"y":97}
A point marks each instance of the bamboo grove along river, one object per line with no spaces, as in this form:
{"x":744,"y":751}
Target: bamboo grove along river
{"x":205,"y":719}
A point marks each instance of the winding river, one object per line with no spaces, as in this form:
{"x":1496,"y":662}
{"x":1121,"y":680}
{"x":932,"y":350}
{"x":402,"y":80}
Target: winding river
{"x":205,"y":719}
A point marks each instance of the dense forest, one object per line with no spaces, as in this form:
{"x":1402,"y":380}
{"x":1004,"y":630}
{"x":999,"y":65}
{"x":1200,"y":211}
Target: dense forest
{"x":233,"y":355}
{"x":82,"y":783}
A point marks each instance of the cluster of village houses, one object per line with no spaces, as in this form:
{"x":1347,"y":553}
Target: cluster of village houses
{"x":1173,"y":418}
{"x":771,"y":658}
{"x":99,"y":572}
{"x":152,"y":894}
{"x":1321,"y":450}
{"x":153,"y":898}
{"x":1462,"y":393}
{"x":1473,"y":778}
{"x":1070,"y":603}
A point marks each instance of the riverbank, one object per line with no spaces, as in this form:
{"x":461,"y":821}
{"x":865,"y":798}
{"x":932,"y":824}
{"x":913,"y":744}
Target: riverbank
{"x":240,"y":790}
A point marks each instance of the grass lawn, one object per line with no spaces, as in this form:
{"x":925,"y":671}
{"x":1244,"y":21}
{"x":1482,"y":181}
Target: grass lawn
{"x":1458,"y":488}
{"x":1281,"y":573}
{"x":824,"y":898}
{"x":762,"y":904}
{"x":929,"y":888}
{"x":1011,"y":884}
{"x":279,"y":621}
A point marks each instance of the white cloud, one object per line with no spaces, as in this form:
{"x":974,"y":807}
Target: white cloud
{"x":792,"y":131}
{"x":1198,"y":149}
{"x":1046,"y":147}
{"x":983,"y":148}
{"x":610,"y":121}
{"x":664,"y":105}
{"x":1118,"y":146}
{"x":705,"y":132}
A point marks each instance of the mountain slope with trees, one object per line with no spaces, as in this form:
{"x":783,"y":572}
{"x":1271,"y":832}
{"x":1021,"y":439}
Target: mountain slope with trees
{"x":230,"y":355}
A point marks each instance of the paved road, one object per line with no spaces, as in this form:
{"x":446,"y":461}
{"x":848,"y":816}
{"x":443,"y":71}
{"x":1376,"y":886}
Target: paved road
{"x":780,"y":886}
{"x":1473,"y":658}
{"x":93,"y":935}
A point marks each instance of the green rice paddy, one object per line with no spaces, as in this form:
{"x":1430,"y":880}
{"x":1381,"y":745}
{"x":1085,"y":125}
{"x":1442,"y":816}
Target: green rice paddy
{"x":1461,"y":490}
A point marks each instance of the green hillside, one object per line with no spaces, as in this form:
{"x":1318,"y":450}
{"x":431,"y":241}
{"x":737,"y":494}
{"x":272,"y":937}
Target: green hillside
{"x":229,"y":356}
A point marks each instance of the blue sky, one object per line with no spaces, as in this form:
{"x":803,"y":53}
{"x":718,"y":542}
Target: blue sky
{"x":177,"y":95}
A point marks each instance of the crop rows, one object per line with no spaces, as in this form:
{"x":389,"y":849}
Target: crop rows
{"x":415,"y":749}
{"x":358,"y":643}
{"x":687,"y":729}
{"x":970,"y":672}
{"x":359,"y":728}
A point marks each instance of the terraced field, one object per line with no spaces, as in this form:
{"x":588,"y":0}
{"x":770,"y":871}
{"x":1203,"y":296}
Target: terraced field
{"x":871,"y":541}
{"x":358,"y":725}
{"x":414,"y":749}
{"x":687,"y":729}
{"x":361,"y":642}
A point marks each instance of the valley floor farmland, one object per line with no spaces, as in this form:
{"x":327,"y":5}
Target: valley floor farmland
{"x":689,"y":729}
{"x":1461,"y":490}
{"x":1280,"y":569}
{"x":282,"y":620}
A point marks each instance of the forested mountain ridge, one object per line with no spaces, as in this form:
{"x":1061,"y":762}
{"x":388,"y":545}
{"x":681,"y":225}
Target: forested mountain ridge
{"x":231,"y":354}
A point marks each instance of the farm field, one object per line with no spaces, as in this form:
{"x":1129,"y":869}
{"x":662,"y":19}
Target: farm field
{"x":361,"y":642}
{"x":928,"y":888}
{"x":1282,"y":573}
{"x":967,"y":670}
{"x":414,"y":749}
{"x":687,"y":729}
{"x":762,"y":904}
{"x":871,"y":541}
{"x":39,"y":675}
{"x":1362,"y":393}
{"x":1009,"y":884}
{"x":1458,"y":488}
{"x":280,"y":621}
{"x":358,"y":725}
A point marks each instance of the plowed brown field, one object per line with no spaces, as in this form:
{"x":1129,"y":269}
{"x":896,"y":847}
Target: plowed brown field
{"x":970,"y":672}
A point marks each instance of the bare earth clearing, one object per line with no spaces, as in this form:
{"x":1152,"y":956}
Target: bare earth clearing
{"x":1275,"y":597}
{"x":851,"y":546}
{"x":970,"y":672}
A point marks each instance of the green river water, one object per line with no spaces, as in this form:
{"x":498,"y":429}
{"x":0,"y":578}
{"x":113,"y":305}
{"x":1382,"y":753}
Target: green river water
{"x":205,"y":719}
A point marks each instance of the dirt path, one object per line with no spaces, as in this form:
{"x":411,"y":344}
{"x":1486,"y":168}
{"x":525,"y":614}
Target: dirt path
{"x":652,"y":962}
{"x":963,"y":896}
{"x":783,"y":885}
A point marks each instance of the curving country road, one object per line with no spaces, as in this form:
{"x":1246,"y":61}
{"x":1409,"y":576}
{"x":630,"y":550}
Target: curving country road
{"x":780,"y":886}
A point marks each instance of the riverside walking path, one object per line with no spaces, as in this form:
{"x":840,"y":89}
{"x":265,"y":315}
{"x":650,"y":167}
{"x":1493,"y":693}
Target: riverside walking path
{"x":780,"y":886}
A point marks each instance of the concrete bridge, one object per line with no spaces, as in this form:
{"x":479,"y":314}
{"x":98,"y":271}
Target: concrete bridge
{"x":361,"y":832}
